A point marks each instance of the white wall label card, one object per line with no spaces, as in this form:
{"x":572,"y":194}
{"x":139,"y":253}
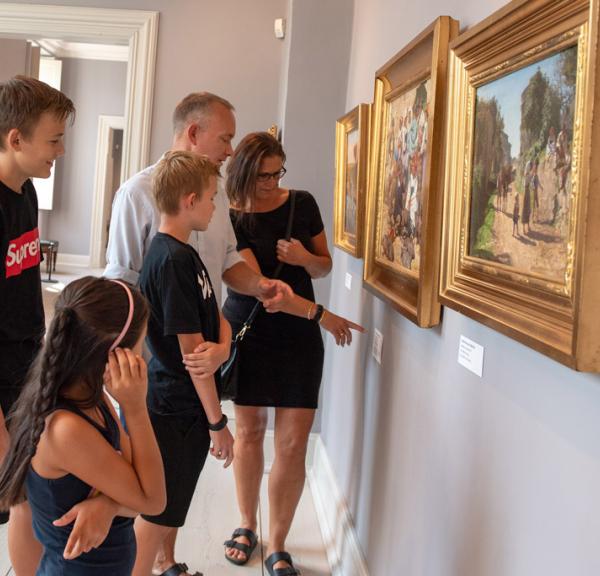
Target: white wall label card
{"x":470,"y":355}
{"x":348,"y":281}
{"x":377,"y":348}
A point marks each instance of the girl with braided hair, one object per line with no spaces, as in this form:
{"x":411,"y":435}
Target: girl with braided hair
{"x":67,"y":444}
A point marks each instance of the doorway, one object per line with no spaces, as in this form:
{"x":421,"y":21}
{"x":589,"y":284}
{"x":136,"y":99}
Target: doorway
{"x":137,"y":29}
{"x":109,"y":158}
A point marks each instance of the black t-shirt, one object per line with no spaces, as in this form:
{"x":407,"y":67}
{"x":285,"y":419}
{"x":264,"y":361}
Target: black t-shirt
{"x":21,"y":307}
{"x":177,"y":285}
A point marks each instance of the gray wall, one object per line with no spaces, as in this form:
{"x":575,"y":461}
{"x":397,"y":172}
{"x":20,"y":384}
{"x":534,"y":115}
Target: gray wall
{"x":447,"y":474}
{"x":14,"y":57}
{"x":227,"y":47}
{"x":315,"y":96}
{"x":96,"y":87}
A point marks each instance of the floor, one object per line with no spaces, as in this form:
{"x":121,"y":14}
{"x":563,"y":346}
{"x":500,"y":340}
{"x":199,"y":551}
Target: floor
{"x":213,"y":514}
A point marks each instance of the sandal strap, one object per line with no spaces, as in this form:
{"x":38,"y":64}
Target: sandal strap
{"x":281,"y":557}
{"x":245,"y":532}
{"x":245,"y":548}
{"x":178,"y":569}
{"x":286,"y":572}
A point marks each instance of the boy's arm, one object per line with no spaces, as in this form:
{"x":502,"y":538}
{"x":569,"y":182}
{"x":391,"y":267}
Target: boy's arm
{"x":222,"y":448}
{"x":207,"y":357}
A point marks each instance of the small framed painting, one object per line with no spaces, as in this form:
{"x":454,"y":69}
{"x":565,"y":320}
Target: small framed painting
{"x":351,"y":162}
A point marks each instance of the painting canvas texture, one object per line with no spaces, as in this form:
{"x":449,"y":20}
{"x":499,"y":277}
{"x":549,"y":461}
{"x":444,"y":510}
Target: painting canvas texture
{"x":520,"y":210}
{"x":398,"y":235}
{"x":351,"y":188}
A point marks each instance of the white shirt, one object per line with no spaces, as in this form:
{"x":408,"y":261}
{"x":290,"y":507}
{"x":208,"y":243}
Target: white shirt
{"x":135,"y":220}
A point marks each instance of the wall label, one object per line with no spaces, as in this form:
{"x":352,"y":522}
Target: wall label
{"x":470,"y":355}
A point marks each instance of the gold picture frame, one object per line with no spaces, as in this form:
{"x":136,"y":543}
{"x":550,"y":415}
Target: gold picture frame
{"x":406,"y":178}
{"x":351,"y":167}
{"x":520,"y":253}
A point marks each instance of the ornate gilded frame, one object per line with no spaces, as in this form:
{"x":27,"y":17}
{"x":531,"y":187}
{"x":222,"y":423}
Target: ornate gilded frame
{"x":557,"y":318}
{"x":414,"y":293}
{"x":357,"y":120}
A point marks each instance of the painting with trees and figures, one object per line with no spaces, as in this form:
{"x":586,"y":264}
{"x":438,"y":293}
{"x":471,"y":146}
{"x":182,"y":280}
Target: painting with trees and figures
{"x":521,"y":170}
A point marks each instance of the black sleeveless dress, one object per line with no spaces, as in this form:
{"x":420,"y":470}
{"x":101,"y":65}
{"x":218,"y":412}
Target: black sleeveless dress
{"x":281,"y":357}
{"x":51,"y":498}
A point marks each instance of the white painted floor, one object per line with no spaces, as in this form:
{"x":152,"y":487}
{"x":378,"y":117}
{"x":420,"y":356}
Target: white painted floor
{"x":213,"y":514}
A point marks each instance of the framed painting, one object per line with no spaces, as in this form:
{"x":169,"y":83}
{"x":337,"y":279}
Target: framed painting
{"x":351,"y":166}
{"x":520,"y":252}
{"x":406,"y":179}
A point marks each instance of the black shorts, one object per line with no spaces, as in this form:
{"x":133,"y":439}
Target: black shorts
{"x":8,"y":396}
{"x":16,"y":359}
{"x":184,"y":442}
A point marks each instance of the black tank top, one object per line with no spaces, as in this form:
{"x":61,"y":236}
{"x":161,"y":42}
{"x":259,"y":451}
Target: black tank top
{"x":51,"y":498}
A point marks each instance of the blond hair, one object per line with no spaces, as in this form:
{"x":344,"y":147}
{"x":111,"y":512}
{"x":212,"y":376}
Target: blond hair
{"x":23,"y":100}
{"x":179,"y":173}
{"x":197,"y":107}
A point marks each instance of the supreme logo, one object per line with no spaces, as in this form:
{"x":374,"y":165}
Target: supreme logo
{"x":23,"y":253}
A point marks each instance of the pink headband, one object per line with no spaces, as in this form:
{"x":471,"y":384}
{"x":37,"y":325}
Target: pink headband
{"x":129,"y":316}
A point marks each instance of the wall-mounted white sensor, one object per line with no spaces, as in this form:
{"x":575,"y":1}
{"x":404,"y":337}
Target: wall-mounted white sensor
{"x":280,"y":28}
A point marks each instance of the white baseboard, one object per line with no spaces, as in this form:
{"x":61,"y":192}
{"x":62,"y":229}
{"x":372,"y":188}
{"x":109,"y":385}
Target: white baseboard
{"x":341,"y":542}
{"x":77,"y":260}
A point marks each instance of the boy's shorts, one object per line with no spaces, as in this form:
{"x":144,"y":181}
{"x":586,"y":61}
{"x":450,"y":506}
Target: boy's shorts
{"x":184,"y":442}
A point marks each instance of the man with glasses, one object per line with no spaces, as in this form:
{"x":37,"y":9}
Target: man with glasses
{"x":203,"y":124}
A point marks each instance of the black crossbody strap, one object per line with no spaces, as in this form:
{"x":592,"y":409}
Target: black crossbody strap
{"x":258,"y":306}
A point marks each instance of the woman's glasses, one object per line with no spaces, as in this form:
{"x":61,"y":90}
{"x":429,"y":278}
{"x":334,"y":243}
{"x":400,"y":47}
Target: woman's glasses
{"x":265,"y":176}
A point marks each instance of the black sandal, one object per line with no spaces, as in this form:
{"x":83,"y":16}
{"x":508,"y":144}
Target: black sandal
{"x":177,"y":569}
{"x":278,"y":557}
{"x":247,"y":549}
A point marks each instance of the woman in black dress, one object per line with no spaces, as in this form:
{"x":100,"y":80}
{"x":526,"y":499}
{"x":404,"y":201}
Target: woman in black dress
{"x":281,"y":357}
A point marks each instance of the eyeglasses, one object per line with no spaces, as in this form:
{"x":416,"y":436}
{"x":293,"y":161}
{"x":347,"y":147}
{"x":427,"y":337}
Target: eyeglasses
{"x":265,"y":176}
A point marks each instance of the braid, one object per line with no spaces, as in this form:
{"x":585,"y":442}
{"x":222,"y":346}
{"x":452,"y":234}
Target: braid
{"x":35,"y":403}
{"x":88,"y":315}
{"x":53,"y":367}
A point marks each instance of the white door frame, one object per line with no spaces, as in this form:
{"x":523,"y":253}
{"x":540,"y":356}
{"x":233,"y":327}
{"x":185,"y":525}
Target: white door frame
{"x":137,"y":27}
{"x":101,"y":204}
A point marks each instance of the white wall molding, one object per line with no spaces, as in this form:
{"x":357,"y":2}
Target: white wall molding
{"x":85,"y":50}
{"x":341,"y":541}
{"x":70,"y":260}
{"x":138,"y":28}
{"x":101,"y":204}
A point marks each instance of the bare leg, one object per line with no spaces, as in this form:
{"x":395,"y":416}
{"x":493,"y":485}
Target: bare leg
{"x":166,"y":553}
{"x":248,"y":467}
{"x":286,"y":481}
{"x":24,"y":550}
{"x":150,"y":538}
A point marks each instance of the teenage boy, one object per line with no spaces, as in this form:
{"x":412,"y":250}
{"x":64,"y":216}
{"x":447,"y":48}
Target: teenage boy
{"x":185,"y":410}
{"x":32,"y":123}
{"x":204,"y":125}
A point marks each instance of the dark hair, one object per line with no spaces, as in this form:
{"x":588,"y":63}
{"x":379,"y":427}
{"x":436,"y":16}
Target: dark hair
{"x":244,"y":165}
{"x":88,"y":316}
{"x":197,"y":107}
{"x":23,"y":100}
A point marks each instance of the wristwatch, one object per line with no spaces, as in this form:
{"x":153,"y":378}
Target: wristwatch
{"x":218,"y":425}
